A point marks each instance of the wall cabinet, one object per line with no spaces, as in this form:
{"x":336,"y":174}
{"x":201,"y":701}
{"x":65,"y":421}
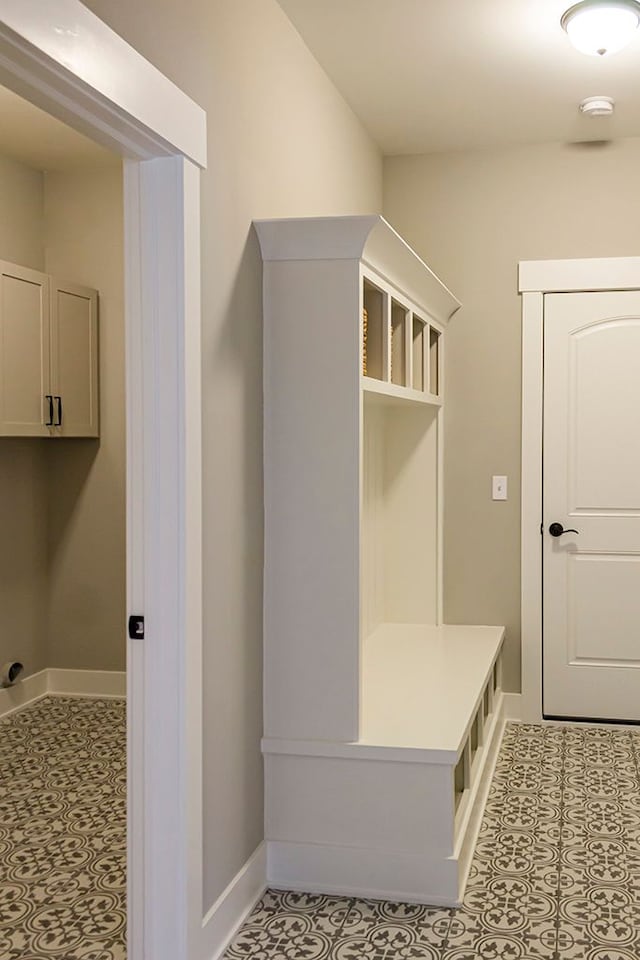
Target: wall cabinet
{"x":48,"y":356}
{"x":379,"y":718}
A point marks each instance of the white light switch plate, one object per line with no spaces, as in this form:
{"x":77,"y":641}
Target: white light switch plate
{"x":499,"y":488}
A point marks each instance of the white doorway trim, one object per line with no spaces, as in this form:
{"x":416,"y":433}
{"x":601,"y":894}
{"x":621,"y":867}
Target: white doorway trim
{"x":61,"y":57}
{"x":535,"y":278}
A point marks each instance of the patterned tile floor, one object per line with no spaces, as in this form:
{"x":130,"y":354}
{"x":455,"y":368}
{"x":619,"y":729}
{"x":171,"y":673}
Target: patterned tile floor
{"x":556,"y":873}
{"x":63,"y":831}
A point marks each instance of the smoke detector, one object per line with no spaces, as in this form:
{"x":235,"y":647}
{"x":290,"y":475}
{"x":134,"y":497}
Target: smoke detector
{"x":597,"y":107}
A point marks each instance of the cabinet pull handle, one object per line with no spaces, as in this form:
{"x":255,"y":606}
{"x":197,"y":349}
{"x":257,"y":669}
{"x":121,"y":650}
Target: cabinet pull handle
{"x":49,"y":397}
{"x":58,"y":422}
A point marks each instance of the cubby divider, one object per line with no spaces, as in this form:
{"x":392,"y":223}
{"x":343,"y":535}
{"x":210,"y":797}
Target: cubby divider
{"x":418,"y":353}
{"x":374,"y":323}
{"x":459,"y":781}
{"x":434,"y":362}
{"x":399,"y":319}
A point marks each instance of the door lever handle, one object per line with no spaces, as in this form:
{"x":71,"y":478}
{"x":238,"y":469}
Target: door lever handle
{"x":556,"y":530}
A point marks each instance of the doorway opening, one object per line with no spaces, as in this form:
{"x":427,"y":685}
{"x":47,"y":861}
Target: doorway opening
{"x":63,"y":517}
{"x":540,"y":281}
{"x":121,"y":101}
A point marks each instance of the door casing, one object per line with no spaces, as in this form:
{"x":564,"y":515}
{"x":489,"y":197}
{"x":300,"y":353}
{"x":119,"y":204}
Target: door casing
{"x":535,"y":279}
{"x":61,"y":57}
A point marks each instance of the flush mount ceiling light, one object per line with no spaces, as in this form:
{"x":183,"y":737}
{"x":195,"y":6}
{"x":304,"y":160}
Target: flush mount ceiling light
{"x":598,"y":27}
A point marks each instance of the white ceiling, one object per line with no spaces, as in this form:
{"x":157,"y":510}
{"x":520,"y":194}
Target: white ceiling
{"x":31,"y":136}
{"x":436,"y":75}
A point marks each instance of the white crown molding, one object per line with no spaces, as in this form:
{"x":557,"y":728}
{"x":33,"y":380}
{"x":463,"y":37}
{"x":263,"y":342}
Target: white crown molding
{"x":367,"y":238}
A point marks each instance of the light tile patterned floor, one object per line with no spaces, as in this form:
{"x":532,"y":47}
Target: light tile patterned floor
{"x":63,"y":831}
{"x":556,"y":874}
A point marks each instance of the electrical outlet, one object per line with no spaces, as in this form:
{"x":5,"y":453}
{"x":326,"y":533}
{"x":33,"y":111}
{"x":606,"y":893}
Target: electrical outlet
{"x":499,"y":488}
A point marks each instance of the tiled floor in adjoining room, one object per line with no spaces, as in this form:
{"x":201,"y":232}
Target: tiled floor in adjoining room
{"x":556,"y":873}
{"x":63,"y":831}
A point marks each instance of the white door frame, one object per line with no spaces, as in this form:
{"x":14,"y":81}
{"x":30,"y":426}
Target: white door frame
{"x":60,"y":56}
{"x":537,"y":277}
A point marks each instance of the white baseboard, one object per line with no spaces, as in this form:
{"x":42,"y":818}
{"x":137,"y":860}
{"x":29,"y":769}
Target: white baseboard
{"x":232,"y":907}
{"x":57,"y":682}
{"x":23,"y":692}
{"x":512,"y":706}
{"x":87,"y":683}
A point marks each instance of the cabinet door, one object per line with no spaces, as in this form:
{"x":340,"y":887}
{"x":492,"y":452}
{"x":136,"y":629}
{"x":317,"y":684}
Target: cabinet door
{"x":74,"y":359}
{"x":24,"y":352}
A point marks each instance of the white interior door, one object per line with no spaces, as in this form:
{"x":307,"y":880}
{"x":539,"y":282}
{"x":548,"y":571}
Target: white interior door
{"x":591,"y":579}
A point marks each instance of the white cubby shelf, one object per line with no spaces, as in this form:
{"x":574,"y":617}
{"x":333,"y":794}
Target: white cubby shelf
{"x":388,"y":394}
{"x":381,"y":722}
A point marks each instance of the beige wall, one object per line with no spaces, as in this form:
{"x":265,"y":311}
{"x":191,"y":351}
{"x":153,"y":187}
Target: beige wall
{"x":21,"y":209}
{"x":23,"y":556}
{"x":282,"y":143}
{"x":472,"y":216}
{"x":83,"y":233}
{"x":23,"y":467}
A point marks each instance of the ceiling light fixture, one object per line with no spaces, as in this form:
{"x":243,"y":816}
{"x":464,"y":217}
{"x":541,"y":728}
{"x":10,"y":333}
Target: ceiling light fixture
{"x":598,"y":27}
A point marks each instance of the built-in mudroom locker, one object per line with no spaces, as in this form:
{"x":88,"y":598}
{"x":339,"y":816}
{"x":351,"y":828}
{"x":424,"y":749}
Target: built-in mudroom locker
{"x":381,"y":722}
